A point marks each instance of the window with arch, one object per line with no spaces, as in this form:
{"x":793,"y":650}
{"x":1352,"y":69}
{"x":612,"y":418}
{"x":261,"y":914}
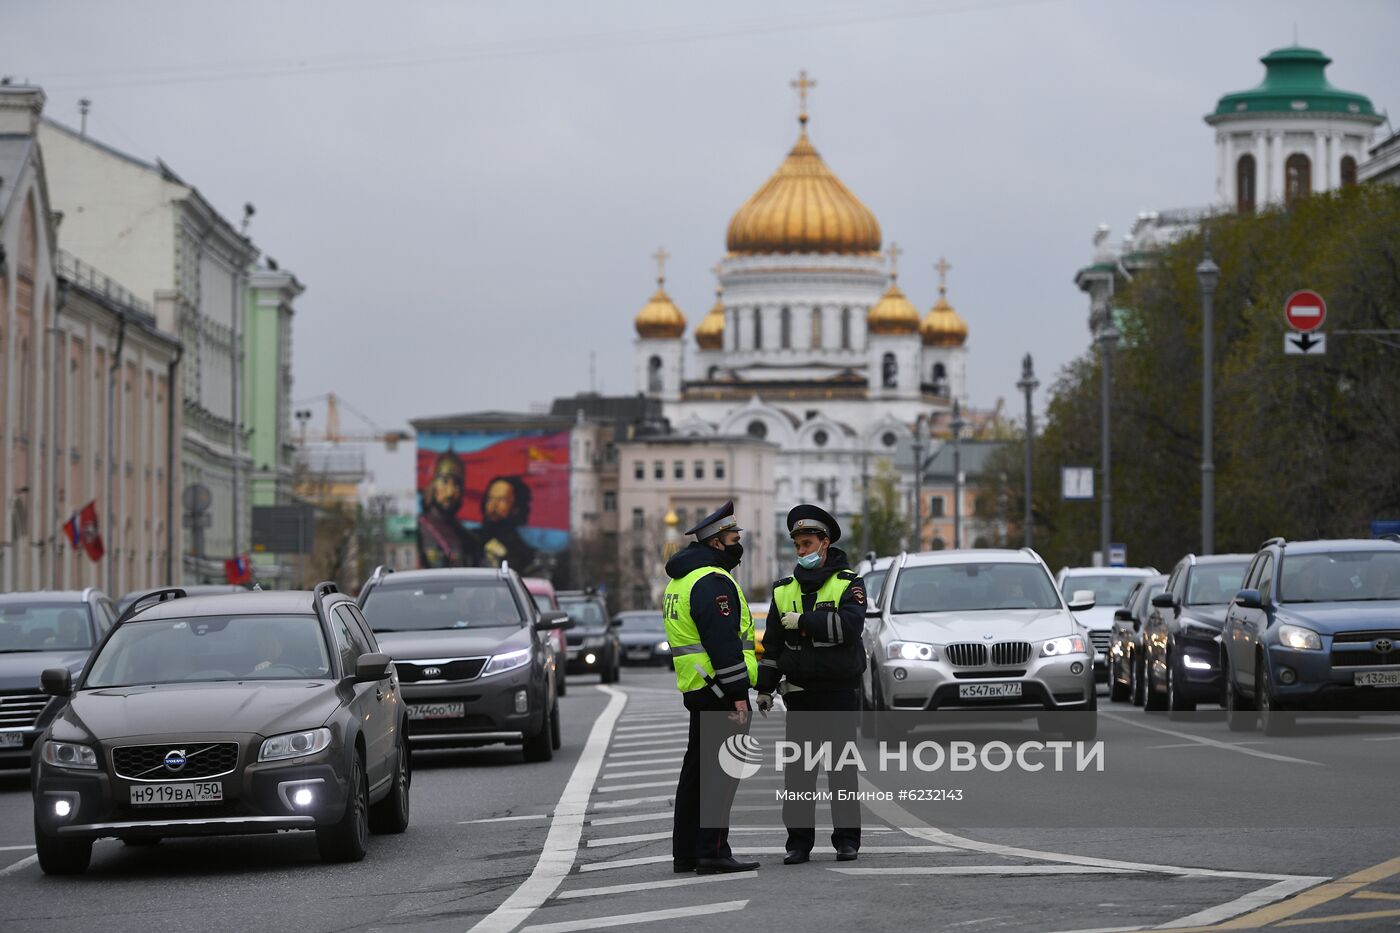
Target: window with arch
{"x":758,"y":328}
{"x":1244,"y":184}
{"x":939,"y":378}
{"x":845,"y":328}
{"x":756,"y":429}
{"x":1348,"y":171}
{"x":1297,"y":177}
{"x":785,"y":328}
{"x":889,"y":371}
{"x":654,"y":374}
{"x":816,"y":328}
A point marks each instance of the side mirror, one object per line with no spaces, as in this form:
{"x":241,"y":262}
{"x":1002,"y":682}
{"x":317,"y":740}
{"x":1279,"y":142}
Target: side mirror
{"x":1249,"y":599}
{"x":615,"y":622}
{"x":1164,"y":601}
{"x":873,"y":611}
{"x":552,"y":619}
{"x":1081,"y":601}
{"x":1122,"y":615}
{"x":57,"y":682}
{"x":372,"y":666}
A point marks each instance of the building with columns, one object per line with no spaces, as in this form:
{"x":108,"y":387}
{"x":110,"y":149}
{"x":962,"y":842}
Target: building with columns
{"x":810,"y":345}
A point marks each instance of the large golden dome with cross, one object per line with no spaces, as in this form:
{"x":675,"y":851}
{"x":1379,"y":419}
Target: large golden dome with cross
{"x":803,"y":207}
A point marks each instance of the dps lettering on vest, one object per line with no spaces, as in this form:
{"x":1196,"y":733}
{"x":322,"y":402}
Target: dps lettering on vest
{"x":692,"y":664}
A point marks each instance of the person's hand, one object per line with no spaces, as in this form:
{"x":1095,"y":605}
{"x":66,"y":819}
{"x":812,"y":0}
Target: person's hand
{"x":741,"y":712}
{"x":495,"y":550}
{"x":790,"y":619}
{"x":764,"y":702}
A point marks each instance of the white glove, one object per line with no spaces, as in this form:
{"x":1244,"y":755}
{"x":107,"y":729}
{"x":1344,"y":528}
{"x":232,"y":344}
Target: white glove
{"x":790,"y":619}
{"x":764,"y":702}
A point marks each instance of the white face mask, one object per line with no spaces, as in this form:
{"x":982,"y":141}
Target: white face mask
{"x":810,"y":561}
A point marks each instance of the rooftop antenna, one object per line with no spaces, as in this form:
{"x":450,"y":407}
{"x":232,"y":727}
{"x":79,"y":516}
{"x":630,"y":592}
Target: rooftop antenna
{"x":84,"y":105}
{"x":248,"y":212}
{"x":593,"y":371}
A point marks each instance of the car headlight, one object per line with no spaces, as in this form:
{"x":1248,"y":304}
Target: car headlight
{"x":1070,"y":644}
{"x":910,"y":651}
{"x":663,"y":646}
{"x":506,"y":662}
{"x":67,"y":755}
{"x":595,"y":641}
{"x":1295,"y":636}
{"x":294,"y":744}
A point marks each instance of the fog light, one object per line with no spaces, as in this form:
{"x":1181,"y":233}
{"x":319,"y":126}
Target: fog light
{"x":302,"y":798}
{"x":522,"y":701}
{"x":1195,"y":664}
{"x":590,"y":658}
{"x":61,"y":809}
{"x":1287,"y":675}
{"x":1077,"y":667}
{"x":899,"y":673}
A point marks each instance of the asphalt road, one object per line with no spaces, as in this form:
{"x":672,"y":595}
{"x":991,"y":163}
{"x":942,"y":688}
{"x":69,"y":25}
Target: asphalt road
{"x":582,"y":843}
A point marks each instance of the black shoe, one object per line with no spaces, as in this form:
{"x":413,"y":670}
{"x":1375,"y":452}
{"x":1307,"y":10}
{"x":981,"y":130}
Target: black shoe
{"x":796,"y":857}
{"x":845,"y":853}
{"x":682,"y":866}
{"x":719,"y":866}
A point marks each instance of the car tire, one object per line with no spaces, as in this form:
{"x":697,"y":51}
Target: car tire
{"x":1274,"y":720}
{"x":540,"y":746}
{"x":1118,"y":692}
{"x":556,"y":733}
{"x":347,"y":839}
{"x":390,"y":815}
{"x":1152,"y":700}
{"x":1177,"y":700}
{"x":607,"y":671}
{"x":1139,"y":688}
{"x":1240,"y":715}
{"x":61,"y":856}
{"x":561,"y":686}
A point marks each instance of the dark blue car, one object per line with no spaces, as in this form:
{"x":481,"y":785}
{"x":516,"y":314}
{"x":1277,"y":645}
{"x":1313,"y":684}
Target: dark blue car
{"x":1315,"y":627}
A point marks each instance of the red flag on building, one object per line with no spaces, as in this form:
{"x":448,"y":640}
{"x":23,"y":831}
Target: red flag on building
{"x":239,"y":570}
{"x":88,"y":532}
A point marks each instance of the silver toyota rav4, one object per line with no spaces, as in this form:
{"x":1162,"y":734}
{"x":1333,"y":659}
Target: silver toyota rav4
{"x":983,"y":629}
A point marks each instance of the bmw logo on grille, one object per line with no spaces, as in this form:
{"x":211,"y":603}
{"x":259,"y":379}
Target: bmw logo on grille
{"x":175,"y":759}
{"x":432,"y":672}
{"x":1384,"y":645}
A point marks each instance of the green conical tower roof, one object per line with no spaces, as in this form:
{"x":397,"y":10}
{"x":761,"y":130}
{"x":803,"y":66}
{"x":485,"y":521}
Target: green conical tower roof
{"x":1295,"y":82}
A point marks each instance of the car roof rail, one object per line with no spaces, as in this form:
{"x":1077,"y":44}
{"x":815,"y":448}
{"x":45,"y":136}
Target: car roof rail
{"x":380,"y":571}
{"x":1390,"y":536}
{"x":1277,"y":539}
{"x":504,"y":569}
{"x":319,"y":593}
{"x":142,"y":601}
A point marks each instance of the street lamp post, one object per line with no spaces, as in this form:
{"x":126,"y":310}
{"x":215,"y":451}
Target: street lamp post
{"x":919,"y":423}
{"x":864,"y":502}
{"x":957,"y":425}
{"x":1028,"y":384}
{"x":1108,"y":340}
{"x":1208,"y":274}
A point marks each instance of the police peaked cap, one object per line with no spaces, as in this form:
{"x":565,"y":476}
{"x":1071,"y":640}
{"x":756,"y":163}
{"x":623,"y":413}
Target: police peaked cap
{"x":813,"y":519}
{"x":721,"y":519}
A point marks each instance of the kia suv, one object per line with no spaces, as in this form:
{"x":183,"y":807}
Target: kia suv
{"x":1181,"y":637}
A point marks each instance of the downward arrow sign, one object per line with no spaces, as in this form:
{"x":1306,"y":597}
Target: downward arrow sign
{"x":1305,"y":342}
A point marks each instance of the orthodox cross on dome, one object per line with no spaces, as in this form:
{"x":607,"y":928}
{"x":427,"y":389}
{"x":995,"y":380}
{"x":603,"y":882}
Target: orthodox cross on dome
{"x":942,"y":266}
{"x":894,"y":252}
{"x":661,"y":256}
{"x":802,"y":85}
{"x":719,"y":285}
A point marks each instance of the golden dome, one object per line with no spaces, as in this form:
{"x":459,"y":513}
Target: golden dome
{"x":709,"y":333}
{"x":893,"y":313}
{"x":660,"y":319}
{"x":804,"y":208}
{"x":943,"y":327}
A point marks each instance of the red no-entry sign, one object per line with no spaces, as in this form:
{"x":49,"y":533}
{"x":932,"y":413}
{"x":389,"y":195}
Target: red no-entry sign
{"x":1305,"y":310}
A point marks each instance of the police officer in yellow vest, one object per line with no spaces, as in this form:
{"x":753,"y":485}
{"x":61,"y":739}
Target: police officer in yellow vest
{"x":712,"y":648}
{"x":815,"y":659}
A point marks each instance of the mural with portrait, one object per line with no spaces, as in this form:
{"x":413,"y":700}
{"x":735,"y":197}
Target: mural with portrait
{"x":492,"y":497}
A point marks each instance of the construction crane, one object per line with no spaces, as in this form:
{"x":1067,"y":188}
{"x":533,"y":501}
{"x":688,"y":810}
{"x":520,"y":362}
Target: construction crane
{"x":332,"y":434}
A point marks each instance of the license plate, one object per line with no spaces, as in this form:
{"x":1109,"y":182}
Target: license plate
{"x":1377,"y":678}
{"x":988,"y":691}
{"x":437,"y":710}
{"x":11,"y":739}
{"x":143,"y":795}
{"x":638,"y":653}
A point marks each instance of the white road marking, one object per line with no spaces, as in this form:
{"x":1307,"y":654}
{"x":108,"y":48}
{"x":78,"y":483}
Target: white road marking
{"x":1383,"y":738}
{"x":624,"y":862}
{"x":622,"y":730}
{"x":19,"y":866}
{"x":1214,"y":743}
{"x":14,"y":848}
{"x":606,"y":923}
{"x":650,"y":772}
{"x":1153,"y":748}
{"x":651,"y":743}
{"x":632,"y":818}
{"x":630,"y":802}
{"x":565,"y":830}
{"x":982,"y":870}
{"x":1240,"y":905}
{"x":765,"y":850}
{"x":643,"y":752}
{"x":628,"y":840}
{"x":645,"y":785}
{"x":652,"y":885}
{"x":505,"y":819}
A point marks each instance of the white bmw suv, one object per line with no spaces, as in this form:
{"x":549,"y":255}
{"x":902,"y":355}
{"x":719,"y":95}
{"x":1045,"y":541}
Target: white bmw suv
{"x":975,"y":630}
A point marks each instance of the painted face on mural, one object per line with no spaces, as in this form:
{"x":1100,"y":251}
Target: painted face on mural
{"x":445,"y":490}
{"x":499,"y":502}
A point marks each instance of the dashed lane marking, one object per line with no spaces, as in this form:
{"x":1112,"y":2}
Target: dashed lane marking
{"x":1214,"y":743}
{"x":638,"y":754}
{"x":624,"y":862}
{"x":652,"y":743}
{"x":15,"y":848}
{"x":565,"y":830}
{"x":612,"y":775}
{"x":652,"y":885}
{"x":983,"y":870}
{"x":645,"y":785}
{"x":505,"y":819}
{"x":628,"y":840}
{"x":626,"y":802}
{"x":617,"y":920}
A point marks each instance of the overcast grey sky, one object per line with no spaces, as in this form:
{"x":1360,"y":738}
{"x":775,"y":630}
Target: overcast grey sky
{"x":471,"y":192}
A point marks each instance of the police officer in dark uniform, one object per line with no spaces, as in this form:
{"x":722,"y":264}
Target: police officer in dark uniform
{"x":813,"y":655}
{"x":712,"y":649}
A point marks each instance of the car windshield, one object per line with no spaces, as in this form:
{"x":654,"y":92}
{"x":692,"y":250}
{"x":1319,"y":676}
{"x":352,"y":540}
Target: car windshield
{"x":211,"y":648}
{"x":1341,"y":576}
{"x":449,"y":604}
{"x":646,"y":622}
{"x":585,"y":613}
{"x":874,"y":582}
{"x":973,"y":586}
{"x":1109,"y":589}
{"x":44,"y":627}
{"x":1215,"y":584}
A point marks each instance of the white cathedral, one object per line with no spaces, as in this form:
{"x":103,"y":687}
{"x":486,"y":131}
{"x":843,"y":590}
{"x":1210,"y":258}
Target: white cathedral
{"x":810,"y":343}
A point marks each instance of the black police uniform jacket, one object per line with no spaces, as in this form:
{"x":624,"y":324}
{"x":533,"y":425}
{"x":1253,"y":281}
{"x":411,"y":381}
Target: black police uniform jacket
{"x":794,"y":654}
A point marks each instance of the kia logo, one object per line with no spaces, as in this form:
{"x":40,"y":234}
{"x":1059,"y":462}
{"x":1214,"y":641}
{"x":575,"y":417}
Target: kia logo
{"x":1383,"y":645}
{"x":432,"y":672}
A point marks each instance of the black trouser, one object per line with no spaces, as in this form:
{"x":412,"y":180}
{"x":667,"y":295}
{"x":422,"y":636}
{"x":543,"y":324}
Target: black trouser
{"x":688,"y":838}
{"x":806,"y":725}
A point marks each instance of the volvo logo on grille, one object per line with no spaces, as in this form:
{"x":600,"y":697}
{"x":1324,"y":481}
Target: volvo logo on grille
{"x":432,"y":672}
{"x":1384,"y":645}
{"x":175,"y":759}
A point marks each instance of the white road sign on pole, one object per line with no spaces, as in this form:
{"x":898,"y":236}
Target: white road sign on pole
{"x":1305,"y":344}
{"x":1077,"y":482}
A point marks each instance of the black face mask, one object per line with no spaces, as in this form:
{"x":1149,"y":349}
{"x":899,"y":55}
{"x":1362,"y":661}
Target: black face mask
{"x":732,"y":555}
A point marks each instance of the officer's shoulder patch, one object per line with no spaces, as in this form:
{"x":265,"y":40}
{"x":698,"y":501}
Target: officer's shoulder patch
{"x":783,"y":582}
{"x":848,"y":575}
